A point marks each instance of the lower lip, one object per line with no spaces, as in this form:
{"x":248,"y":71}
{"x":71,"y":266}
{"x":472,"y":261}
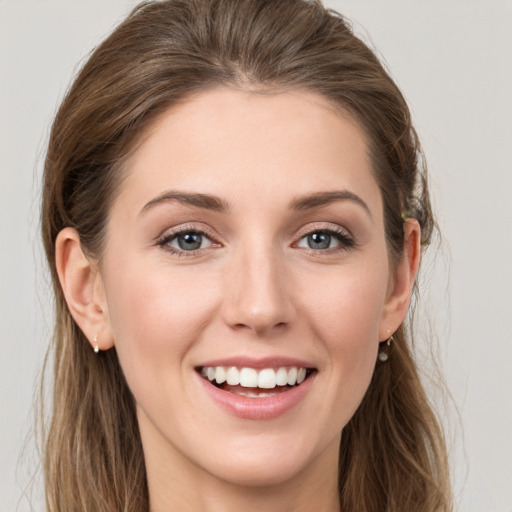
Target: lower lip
{"x":261,"y":408}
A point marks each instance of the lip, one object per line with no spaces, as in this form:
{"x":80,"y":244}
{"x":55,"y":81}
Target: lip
{"x":262,"y":408}
{"x":258,"y":363}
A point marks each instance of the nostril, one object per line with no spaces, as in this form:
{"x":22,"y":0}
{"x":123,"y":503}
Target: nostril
{"x":260,"y":328}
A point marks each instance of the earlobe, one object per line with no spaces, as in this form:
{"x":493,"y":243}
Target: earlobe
{"x":83,"y":289}
{"x":402,"y":280}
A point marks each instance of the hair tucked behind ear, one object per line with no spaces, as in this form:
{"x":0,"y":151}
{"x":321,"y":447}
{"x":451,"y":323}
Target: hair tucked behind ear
{"x":390,"y":448}
{"x":392,"y":456}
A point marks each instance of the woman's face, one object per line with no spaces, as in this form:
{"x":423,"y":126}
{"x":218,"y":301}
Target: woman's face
{"x":247,"y":242}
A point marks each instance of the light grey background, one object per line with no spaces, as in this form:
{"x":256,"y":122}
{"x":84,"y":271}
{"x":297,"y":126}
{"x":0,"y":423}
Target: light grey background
{"x":453,"y":61}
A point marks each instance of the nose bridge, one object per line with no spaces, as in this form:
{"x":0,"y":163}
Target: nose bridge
{"x":257,"y":296}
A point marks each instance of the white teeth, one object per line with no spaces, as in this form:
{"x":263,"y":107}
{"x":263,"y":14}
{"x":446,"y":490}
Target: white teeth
{"x":282,"y":377}
{"x":265,"y":395}
{"x":267,"y":378}
{"x":233,"y":376}
{"x":220,"y":375}
{"x":292,"y":376}
{"x":248,"y":378}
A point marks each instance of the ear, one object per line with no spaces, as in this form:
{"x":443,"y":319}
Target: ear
{"x":83,"y":289}
{"x":402,"y":281}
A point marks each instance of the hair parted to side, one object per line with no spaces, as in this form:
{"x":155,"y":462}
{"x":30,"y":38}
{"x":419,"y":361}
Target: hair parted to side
{"x":392,"y":454}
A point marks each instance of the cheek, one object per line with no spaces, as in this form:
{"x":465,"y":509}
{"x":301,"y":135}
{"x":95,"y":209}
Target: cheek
{"x":346,"y":318}
{"x":156,"y":317}
{"x":346,"y":307}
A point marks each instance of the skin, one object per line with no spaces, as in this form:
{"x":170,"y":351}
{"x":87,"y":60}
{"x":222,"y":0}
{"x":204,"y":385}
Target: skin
{"x":254,"y":288}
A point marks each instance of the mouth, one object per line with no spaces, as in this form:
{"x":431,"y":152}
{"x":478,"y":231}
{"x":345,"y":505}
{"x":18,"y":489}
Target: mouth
{"x":255,"y":383}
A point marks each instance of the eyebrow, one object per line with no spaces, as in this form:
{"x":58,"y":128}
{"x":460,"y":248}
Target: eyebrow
{"x":215,"y":203}
{"x":319,"y":199}
{"x":195,"y":199}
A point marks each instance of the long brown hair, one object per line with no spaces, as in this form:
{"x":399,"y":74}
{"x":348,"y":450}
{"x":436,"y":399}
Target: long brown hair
{"x":392,"y":455}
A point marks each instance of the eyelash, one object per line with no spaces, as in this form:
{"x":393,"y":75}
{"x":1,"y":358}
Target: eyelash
{"x":165,"y":241}
{"x":345,"y":240}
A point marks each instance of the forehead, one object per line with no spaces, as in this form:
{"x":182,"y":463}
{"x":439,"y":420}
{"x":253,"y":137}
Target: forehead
{"x":225,"y":141}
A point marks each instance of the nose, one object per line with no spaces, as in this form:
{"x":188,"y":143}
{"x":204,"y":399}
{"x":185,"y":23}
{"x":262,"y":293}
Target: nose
{"x":258,"y":293}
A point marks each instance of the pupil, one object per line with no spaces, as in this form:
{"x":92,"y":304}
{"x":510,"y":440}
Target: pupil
{"x":189,"y":241}
{"x":319,"y":241}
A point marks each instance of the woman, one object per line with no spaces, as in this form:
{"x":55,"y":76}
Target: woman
{"x":234,"y":210}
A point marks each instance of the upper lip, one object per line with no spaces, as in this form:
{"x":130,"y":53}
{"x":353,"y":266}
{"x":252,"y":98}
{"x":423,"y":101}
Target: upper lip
{"x":258,"y":363}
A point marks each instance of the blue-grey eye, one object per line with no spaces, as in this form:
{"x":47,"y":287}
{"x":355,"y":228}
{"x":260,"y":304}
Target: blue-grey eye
{"x":321,"y":240}
{"x":189,"y":241}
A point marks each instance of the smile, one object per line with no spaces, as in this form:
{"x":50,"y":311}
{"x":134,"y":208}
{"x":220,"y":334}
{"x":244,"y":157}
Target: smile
{"x":231,"y":378}
{"x":261,"y":392}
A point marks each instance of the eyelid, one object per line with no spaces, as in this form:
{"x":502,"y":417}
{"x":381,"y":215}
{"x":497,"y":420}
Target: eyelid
{"x":326,"y":228}
{"x":185,"y":228}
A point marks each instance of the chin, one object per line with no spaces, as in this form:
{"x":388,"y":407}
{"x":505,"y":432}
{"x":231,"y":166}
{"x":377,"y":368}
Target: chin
{"x":264,"y":472}
{"x":264,"y":462}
